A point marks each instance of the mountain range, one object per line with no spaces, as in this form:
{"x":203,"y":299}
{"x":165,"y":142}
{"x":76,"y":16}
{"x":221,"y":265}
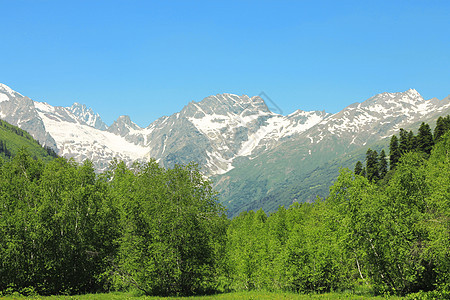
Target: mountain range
{"x":255,"y":157}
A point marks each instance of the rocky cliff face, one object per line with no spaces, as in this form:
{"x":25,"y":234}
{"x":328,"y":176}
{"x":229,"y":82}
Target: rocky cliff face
{"x":87,"y":116}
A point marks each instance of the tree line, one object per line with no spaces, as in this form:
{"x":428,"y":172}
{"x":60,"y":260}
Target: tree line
{"x":4,"y":150}
{"x":384,"y":227}
{"x":66,"y":229}
{"x":377,"y":165}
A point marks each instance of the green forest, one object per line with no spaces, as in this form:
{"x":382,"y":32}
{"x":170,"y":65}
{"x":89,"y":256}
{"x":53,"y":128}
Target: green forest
{"x":64,"y":229}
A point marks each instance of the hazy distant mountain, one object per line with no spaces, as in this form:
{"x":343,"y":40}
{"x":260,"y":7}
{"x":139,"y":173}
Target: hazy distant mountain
{"x":257,"y":158}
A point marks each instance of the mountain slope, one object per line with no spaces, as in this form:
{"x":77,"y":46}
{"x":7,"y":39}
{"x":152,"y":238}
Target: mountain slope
{"x":301,"y":168}
{"x":12,"y":139}
{"x":254,"y":156}
{"x":215,"y":132}
{"x":19,"y":111}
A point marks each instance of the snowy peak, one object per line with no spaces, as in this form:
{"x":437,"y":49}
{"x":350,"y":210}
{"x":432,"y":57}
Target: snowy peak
{"x":20,"y":111}
{"x":302,"y":115}
{"x":243,"y":126}
{"x":6,"y":93}
{"x":7,"y":90}
{"x":87,"y":116}
{"x":378,"y":117}
{"x":219,"y":132}
{"x":414,"y":94}
{"x":411,"y":97}
{"x":123,"y":126}
{"x":224,"y":104}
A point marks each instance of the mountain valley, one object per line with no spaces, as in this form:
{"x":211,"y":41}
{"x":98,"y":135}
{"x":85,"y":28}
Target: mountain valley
{"x":255,"y":157}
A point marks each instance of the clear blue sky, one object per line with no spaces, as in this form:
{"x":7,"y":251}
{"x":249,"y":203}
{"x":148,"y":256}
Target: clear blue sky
{"x":147,"y":59}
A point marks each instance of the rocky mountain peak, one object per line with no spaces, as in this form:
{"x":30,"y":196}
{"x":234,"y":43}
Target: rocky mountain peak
{"x":409,"y":99}
{"x":6,"y":93}
{"x":225,"y":104}
{"x":87,"y":116}
{"x":123,"y":125}
{"x":7,"y":90}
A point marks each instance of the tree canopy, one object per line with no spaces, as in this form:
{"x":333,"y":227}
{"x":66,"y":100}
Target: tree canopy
{"x":66,"y":230}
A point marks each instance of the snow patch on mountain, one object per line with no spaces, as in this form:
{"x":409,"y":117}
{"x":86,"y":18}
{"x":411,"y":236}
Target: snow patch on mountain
{"x":214,"y":132}
{"x":83,"y":140}
{"x":4,"y":97}
{"x":8,"y":91}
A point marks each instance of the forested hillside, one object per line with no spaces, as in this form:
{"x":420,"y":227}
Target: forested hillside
{"x":66,"y":229}
{"x":388,"y":230}
{"x":12,"y":139}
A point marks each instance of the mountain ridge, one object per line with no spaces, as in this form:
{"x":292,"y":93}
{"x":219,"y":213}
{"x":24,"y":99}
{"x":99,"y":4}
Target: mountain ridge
{"x":245,"y":148}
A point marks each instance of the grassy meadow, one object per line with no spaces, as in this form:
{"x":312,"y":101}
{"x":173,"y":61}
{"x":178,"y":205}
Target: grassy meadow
{"x":252,"y":295}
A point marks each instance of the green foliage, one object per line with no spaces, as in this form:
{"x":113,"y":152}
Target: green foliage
{"x":425,"y":139}
{"x":431,"y":295}
{"x":372,"y":165}
{"x":400,"y":232}
{"x":359,"y":168}
{"x":290,"y":250}
{"x":442,"y":126}
{"x":53,"y":231}
{"x":244,"y":295}
{"x":394,"y":152}
{"x":423,"y":142}
{"x":391,"y":236}
{"x":65,"y":229}
{"x":172,"y":229}
{"x":382,"y":164}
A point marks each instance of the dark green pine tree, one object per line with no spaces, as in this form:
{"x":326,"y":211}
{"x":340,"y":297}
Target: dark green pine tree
{"x":394,"y":152}
{"x":425,"y":138}
{"x":403,"y":145}
{"x":359,"y":168}
{"x":442,"y":126}
{"x":382,"y":164}
{"x":412,"y":141}
{"x":372,"y":165}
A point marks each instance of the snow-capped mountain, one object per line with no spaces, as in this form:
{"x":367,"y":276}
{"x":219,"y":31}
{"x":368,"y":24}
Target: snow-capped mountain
{"x":303,"y":167}
{"x":87,"y":116}
{"x":77,"y":139}
{"x":219,"y":129}
{"x":378,"y":117}
{"x":251,"y":152}
{"x":212,"y":132}
{"x":20,"y":111}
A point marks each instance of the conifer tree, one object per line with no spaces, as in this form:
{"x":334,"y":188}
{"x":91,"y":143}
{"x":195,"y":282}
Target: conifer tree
{"x":358,"y":168}
{"x":412,"y":144}
{"x":424,"y":138}
{"x":372,"y":165}
{"x":394,"y":152}
{"x":403,"y":141}
{"x":442,"y":126}
{"x":382,"y":164}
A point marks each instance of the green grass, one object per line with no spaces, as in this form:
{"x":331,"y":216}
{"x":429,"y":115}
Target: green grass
{"x":253,"y":295}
